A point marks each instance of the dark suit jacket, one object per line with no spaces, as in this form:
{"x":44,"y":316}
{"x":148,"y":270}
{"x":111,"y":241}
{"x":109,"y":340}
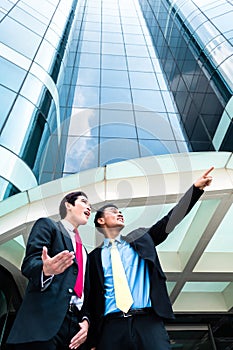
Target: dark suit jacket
{"x":143,"y":241}
{"x":42,"y":312}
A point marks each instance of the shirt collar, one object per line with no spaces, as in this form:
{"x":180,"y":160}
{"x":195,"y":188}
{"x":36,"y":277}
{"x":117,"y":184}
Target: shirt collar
{"x":68,"y":226}
{"x":107,"y":241}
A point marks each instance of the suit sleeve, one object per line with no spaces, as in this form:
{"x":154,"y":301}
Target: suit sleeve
{"x":42,"y":234}
{"x":166,"y":225}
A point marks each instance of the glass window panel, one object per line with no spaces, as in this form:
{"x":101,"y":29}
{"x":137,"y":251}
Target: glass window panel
{"x":198,"y":20}
{"x":91,"y":35}
{"x":113,"y":49}
{"x":206,"y":32}
{"x":46,"y":8}
{"x":115,"y":95}
{"x":117,"y":130}
{"x":89,"y":60}
{"x":20,"y":119}
{"x":84,"y":122}
{"x":116,"y":28}
{"x":92,"y":17}
{"x":156,"y":147}
{"x":152,"y":125}
{"x":115,"y":123}
{"x":112,"y":37}
{"x":134,"y":38}
{"x":29,"y":21}
{"x":89,"y":46}
{"x":43,"y":60}
{"x":149,"y":99}
{"x":88,"y":76}
{"x":113,"y":78}
{"x":116,"y":150}
{"x":111,"y":19}
{"x":143,"y":80}
{"x":32,"y":89}
{"x":127,"y":20}
{"x":136,"y":50}
{"x":217,"y":9}
{"x":6,"y":99}
{"x":131,"y":29}
{"x":13,"y":75}
{"x":39,"y":15}
{"x":140,"y":64}
{"x":114,"y":62}
{"x":58,"y":22}
{"x":5,"y":6}
{"x":52,"y":37}
{"x":81,"y":154}
{"x":223,"y":22}
{"x":92,"y":26}
{"x":86,"y":96}
{"x":28,"y":42}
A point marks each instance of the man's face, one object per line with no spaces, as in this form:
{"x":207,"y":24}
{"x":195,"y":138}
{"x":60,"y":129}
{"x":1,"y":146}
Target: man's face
{"x":80,"y":211}
{"x":112,"y":218}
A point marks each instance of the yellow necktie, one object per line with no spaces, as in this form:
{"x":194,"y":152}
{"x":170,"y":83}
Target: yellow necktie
{"x":122,"y":292}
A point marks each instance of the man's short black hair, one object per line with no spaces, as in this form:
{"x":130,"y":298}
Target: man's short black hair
{"x":70,"y":198}
{"x":100,"y":212}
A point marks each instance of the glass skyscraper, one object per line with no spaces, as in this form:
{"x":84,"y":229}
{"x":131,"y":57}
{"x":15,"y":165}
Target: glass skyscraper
{"x":95,"y":84}
{"x":88,"y":83}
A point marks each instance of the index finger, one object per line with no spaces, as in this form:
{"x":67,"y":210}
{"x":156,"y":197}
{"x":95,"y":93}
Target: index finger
{"x":208,"y":171}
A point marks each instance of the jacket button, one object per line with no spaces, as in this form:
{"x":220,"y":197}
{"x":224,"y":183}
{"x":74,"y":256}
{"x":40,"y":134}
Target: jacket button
{"x":70,"y":290}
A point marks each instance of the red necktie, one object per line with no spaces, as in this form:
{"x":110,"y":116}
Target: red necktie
{"x":78,"y":288}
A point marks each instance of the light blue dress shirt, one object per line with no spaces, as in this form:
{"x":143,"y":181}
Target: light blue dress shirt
{"x":137,"y":274}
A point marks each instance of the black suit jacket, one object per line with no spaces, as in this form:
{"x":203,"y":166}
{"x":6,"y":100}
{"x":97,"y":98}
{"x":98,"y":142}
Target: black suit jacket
{"x":42,"y":312}
{"x":143,"y":241}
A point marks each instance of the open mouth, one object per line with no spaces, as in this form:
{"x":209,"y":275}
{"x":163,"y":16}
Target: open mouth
{"x":120,"y":219}
{"x":87,"y":213}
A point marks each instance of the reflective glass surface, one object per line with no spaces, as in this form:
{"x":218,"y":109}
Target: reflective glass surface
{"x":114,"y":62}
{"x":20,"y":119}
{"x":200,"y":91}
{"x":113,"y":78}
{"x":28,"y":20}
{"x":29,"y":41}
{"x":13,"y":75}
{"x":130,"y":80}
{"x":116,"y":150}
{"x":7,"y":98}
{"x":82,"y":154}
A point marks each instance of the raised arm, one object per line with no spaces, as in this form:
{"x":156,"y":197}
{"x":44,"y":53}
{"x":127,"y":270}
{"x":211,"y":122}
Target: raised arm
{"x":166,"y":225}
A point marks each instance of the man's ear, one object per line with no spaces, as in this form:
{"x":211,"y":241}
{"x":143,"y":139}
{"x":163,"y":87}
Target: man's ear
{"x":101,"y":221}
{"x":68,"y":205}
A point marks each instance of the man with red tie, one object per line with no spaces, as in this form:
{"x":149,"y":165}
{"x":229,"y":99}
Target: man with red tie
{"x":53,"y":314}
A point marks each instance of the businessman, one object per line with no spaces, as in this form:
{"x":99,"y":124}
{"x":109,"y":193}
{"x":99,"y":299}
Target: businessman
{"x":53,"y":314}
{"x":128,"y":298}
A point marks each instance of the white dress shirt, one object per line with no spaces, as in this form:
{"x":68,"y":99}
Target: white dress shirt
{"x":45,"y":283}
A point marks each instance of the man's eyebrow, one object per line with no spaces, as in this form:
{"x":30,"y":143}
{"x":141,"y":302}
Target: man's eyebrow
{"x":85,"y":200}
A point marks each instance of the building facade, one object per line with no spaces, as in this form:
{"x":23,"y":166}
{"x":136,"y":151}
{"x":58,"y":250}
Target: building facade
{"x":105,"y":96}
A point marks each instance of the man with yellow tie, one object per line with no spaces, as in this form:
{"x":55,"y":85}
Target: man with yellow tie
{"x":128,"y":297}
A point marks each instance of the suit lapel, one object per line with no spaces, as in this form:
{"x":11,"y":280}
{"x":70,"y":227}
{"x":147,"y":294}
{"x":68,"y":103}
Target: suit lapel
{"x":98,"y":264}
{"x":66,"y":238}
{"x":142,"y":243}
